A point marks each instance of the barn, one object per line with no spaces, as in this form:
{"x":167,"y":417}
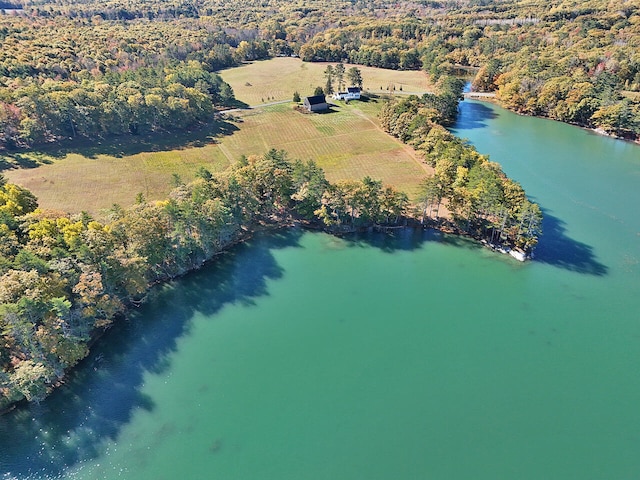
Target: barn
{"x":316,"y":103}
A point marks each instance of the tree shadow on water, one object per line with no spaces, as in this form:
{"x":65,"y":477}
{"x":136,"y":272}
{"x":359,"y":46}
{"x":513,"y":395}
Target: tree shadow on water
{"x":554,"y":247}
{"x":559,"y":250}
{"x":102,"y":394}
{"x":475,"y":115}
{"x":408,"y":239}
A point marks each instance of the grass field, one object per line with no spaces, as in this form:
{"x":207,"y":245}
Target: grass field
{"x":346,"y":142}
{"x":277,"y":79}
{"x":87,"y":180}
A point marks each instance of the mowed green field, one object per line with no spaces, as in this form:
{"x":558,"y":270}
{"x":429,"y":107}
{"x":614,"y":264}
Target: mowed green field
{"x":89,"y":181}
{"x":346,"y":142}
{"x":278,"y":78}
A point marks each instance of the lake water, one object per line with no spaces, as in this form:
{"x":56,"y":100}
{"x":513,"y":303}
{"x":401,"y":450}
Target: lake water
{"x":423,"y":356}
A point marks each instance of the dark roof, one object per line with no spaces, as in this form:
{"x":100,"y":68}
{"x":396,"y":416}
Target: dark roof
{"x":353,"y":89}
{"x":316,"y":99}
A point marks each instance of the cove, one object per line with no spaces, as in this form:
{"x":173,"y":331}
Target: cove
{"x":301,"y":355}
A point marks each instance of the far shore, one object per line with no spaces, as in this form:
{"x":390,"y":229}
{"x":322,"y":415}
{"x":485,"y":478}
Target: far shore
{"x":491,"y":97}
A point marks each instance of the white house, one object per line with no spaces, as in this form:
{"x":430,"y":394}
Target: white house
{"x":352,"y":93}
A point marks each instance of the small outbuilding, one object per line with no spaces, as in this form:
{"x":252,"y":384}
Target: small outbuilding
{"x":316,"y":103}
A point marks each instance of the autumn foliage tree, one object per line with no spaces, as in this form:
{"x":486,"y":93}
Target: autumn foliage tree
{"x":481,"y":198}
{"x":66,"y":278}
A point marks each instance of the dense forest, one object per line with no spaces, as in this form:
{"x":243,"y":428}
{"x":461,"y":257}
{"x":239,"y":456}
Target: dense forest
{"x":95,"y":68}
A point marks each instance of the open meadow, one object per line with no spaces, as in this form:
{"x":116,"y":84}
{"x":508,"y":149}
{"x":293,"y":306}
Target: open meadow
{"x":347,"y":142}
{"x":278,"y":78}
{"x":94,"y":178}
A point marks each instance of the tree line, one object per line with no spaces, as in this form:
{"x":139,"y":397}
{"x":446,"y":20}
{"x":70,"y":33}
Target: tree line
{"x":34,"y":112}
{"x":65,"y":278}
{"x":482,"y":200}
{"x":66,"y":77}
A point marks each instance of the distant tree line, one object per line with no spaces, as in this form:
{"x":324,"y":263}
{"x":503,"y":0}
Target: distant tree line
{"x":574,"y":64}
{"x":588,"y":99}
{"x":578,"y":66}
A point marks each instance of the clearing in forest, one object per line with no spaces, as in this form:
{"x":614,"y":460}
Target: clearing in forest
{"x":346,"y":142}
{"x":276,"y":79}
{"x":92,"y":178}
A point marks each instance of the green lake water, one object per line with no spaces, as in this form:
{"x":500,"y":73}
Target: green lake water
{"x":420,"y":356}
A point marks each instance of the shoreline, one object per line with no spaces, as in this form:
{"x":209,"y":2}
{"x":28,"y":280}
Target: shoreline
{"x":596,"y":130}
{"x":441,"y":225}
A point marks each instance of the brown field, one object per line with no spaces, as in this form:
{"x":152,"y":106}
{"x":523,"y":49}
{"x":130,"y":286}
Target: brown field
{"x":276,"y":79}
{"x":346,"y":142}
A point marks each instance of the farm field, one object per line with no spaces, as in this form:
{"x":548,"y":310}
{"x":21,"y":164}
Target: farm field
{"x":84,"y":180}
{"x":276,"y":79}
{"x":346,"y":142}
